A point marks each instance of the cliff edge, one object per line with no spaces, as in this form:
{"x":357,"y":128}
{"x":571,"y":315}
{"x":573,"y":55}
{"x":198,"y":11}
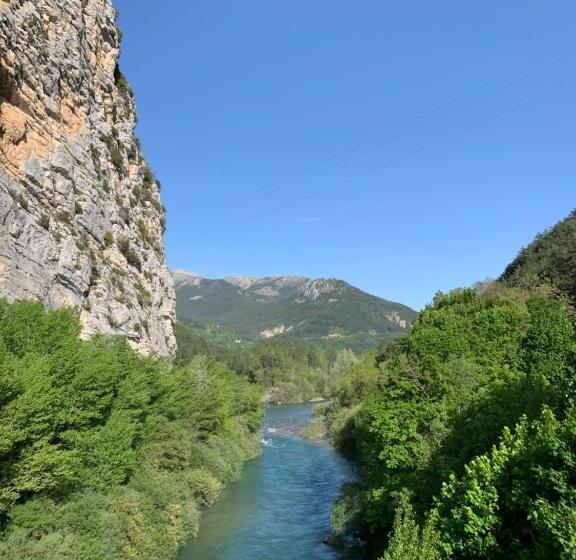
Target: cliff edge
{"x":81,"y":221}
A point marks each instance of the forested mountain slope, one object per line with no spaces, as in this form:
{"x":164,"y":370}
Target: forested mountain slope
{"x":465,"y":428}
{"x":324,"y":311}
{"x":551,"y":257}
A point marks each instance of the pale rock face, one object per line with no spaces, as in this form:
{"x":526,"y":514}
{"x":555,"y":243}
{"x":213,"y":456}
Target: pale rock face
{"x":184,"y":278}
{"x":317,"y":288}
{"x":266,"y":286}
{"x":81,"y":222}
{"x":245,"y":283}
{"x":275,"y":331}
{"x":396,"y":318}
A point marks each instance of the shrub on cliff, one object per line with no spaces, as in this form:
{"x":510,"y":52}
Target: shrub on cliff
{"x":129,"y":253}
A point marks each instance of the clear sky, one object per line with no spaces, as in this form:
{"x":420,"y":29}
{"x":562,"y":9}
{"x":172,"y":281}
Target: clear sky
{"x":405,"y":147}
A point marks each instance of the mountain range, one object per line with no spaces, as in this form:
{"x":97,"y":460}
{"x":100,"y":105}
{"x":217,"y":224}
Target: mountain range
{"x":328,"y":311}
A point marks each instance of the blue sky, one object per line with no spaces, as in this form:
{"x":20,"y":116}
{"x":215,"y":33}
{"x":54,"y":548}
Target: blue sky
{"x":406,"y":147}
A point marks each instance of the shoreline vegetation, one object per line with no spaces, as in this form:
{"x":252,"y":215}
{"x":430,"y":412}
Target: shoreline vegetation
{"x":464,"y":429}
{"x":105,"y":454}
{"x":110,"y":455}
{"x":317,"y":429}
{"x":463,"y":432}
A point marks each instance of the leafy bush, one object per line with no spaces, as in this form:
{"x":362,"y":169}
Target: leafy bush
{"x":517,"y":501}
{"x":144,"y":233}
{"x":19,"y":199}
{"x":100,"y":449}
{"x":203,"y":486}
{"x":472,"y":414}
{"x":129,"y":253}
{"x":148,"y":177}
{"x":108,"y":239}
{"x":143,"y":296}
{"x":63,"y":217}
{"x":117,"y":158}
{"x":409,"y":541}
{"x":44,"y":221}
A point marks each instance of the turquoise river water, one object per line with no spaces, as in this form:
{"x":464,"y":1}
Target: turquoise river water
{"x":280,"y":508}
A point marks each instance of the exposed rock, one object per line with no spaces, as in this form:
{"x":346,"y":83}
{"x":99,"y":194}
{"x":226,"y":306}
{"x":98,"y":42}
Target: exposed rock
{"x":267,"y":287}
{"x":184,"y":278}
{"x":275,"y":331}
{"x":242,"y":281}
{"x":317,"y":288}
{"x":395,"y":317}
{"x":81,"y":222}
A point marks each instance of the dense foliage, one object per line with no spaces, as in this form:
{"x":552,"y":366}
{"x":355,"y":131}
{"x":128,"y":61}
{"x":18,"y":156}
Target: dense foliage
{"x":551,"y":258}
{"x":465,"y":430}
{"x":104,"y":454}
{"x":192,"y":342}
{"x":289,"y":371}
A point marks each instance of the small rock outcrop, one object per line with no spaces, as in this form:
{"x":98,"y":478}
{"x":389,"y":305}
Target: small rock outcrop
{"x":317,"y":288}
{"x":81,"y":221}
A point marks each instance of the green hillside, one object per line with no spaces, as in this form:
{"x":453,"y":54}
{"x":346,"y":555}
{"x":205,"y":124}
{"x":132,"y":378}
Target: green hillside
{"x":329,"y":312}
{"x":464,"y":431}
{"x":550,"y":258}
{"x":464,"y":428}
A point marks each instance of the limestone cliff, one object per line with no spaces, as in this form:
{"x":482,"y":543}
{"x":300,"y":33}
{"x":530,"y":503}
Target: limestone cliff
{"x":81,"y":222}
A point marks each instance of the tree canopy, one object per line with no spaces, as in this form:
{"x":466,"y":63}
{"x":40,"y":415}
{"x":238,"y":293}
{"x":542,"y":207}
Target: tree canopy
{"x":465,"y":430}
{"x":105,"y":454}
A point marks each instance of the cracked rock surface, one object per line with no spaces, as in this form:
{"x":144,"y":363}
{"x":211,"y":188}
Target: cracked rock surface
{"x":81,"y":221}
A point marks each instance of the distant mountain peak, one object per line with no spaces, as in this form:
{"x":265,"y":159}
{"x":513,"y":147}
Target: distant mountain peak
{"x":326,"y":310}
{"x":244,"y":282}
{"x":185,"y":278}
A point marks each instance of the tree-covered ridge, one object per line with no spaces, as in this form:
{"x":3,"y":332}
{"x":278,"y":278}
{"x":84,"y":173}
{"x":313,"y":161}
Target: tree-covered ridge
{"x":551,"y":258}
{"x":104,"y":454}
{"x":326,"y":312}
{"x":465,"y":430}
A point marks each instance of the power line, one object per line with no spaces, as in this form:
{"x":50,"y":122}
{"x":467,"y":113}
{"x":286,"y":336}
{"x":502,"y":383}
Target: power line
{"x":372,"y":145}
{"x":390,"y":163}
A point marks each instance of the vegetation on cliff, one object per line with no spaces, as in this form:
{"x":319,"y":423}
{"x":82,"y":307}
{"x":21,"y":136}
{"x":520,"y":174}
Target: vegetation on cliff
{"x":465,"y":431}
{"x":105,"y":454}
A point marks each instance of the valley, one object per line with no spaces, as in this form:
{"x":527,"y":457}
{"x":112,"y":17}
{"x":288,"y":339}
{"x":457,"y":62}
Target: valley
{"x":280,"y":508}
{"x":150,"y":413}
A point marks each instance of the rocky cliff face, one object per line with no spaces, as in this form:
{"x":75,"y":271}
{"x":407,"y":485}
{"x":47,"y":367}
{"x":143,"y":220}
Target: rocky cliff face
{"x":81,"y":222}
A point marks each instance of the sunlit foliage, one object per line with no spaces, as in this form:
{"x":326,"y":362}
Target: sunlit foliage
{"x":465,"y":432}
{"x":105,"y":454}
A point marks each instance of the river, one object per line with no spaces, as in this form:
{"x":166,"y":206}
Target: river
{"x":280,"y":508}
